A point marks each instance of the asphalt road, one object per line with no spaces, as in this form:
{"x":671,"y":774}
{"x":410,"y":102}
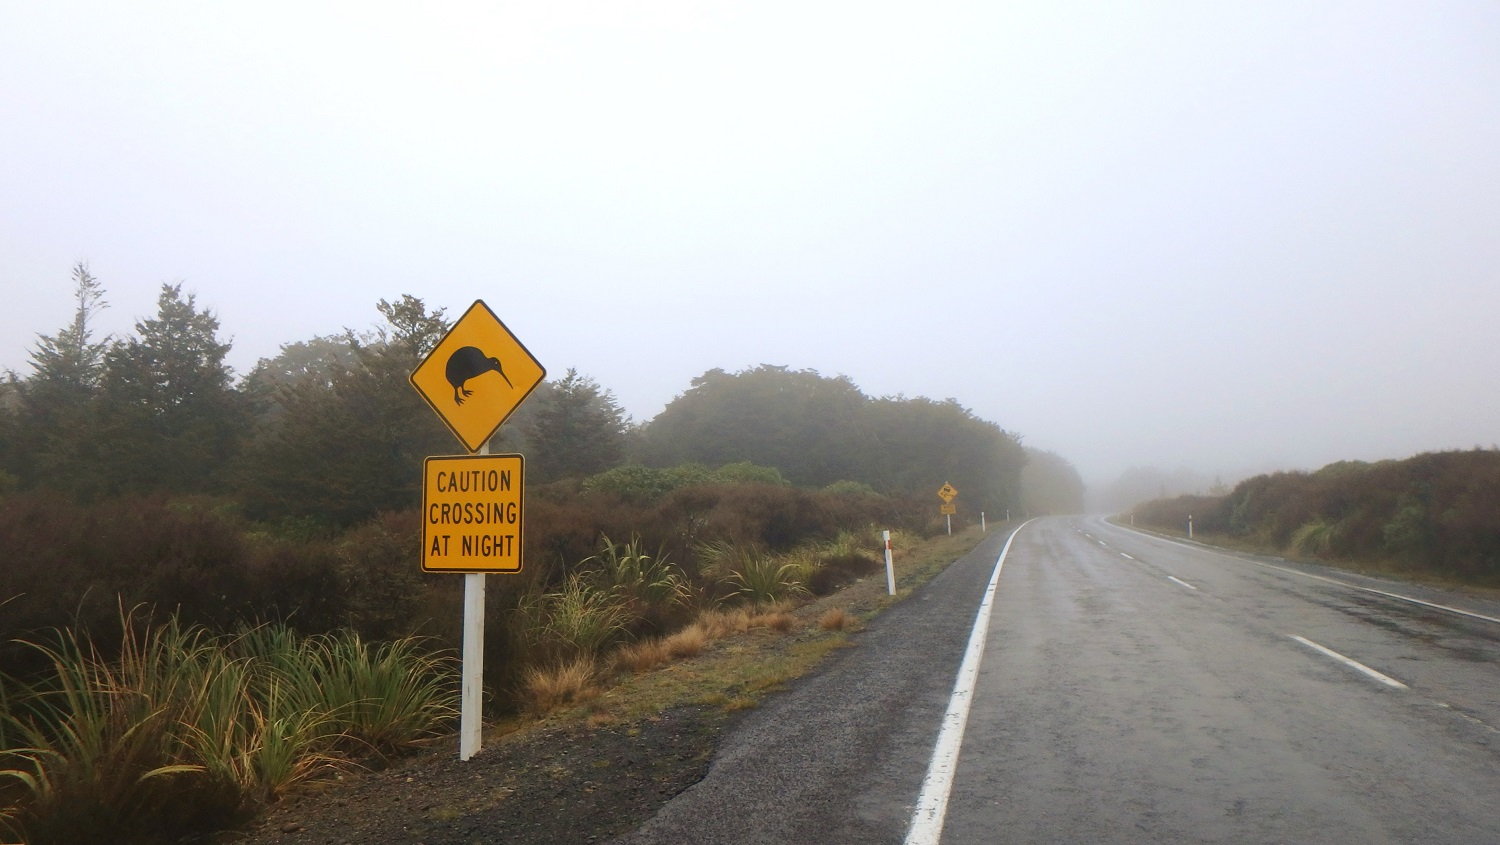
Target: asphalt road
{"x":1132,"y":689}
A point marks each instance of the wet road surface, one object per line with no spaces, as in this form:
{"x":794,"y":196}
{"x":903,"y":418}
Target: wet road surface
{"x":1132,"y":689}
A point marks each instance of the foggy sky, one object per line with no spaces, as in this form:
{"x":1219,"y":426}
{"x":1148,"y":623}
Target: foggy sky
{"x":1226,"y":236}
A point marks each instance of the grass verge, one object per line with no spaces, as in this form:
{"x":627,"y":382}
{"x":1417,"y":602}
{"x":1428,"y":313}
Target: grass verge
{"x":738,"y":655}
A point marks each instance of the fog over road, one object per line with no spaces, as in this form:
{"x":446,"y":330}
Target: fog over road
{"x":1133,"y":689}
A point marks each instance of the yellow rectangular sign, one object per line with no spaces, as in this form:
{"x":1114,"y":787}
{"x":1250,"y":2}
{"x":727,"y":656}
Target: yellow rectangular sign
{"x":471,"y":513}
{"x":948,"y":508}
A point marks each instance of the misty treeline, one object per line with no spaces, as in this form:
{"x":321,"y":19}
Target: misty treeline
{"x":1432,"y":513}
{"x":140,"y":469}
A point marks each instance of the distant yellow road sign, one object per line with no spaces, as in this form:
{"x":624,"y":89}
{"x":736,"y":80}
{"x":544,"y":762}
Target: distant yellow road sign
{"x":471,"y":513}
{"x":947,"y":508}
{"x":476,"y":376}
{"x":947,"y":492}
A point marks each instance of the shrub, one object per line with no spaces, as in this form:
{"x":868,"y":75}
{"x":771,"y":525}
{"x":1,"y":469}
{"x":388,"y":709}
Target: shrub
{"x":1314,"y":538}
{"x":835,"y":571}
{"x":850,"y":488}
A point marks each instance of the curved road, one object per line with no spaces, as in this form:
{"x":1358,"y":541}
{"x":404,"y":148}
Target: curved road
{"x":1132,"y":689}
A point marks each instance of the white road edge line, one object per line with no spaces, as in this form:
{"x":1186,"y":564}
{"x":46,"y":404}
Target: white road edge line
{"x":932,"y":804}
{"x":1351,"y":663}
{"x":1434,"y":605}
{"x":1180,"y":581}
{"x":1127,"y":557}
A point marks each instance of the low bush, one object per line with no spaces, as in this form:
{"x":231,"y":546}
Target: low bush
{"x":835,"y":571}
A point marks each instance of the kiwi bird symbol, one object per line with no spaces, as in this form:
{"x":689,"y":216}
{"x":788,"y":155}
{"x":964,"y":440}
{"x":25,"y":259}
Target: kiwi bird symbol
{"x":469,"y":362}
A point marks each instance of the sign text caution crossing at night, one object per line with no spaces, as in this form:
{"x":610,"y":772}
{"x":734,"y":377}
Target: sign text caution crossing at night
{"x":477,"y":375}
{"x":471,"y":513}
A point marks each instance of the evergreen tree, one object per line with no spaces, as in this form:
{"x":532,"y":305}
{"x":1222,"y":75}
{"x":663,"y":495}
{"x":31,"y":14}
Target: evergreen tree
{"x":168,"y":413}
{"x":346,"y":438}
{"x":578,"y":430}
{"x":811,"y":427}
{"x":69,"y":363}
{"x":55,"y":437}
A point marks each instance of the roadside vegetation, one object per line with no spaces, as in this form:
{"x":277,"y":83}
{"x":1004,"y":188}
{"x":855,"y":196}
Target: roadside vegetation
{"x":1430,"y":516}
{"x":209,"y":584}
{"x":181,"y":731}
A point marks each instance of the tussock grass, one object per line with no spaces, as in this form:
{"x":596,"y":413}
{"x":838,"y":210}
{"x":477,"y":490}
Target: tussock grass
{"x":642,"y":656}
{"x":751,"y":576}
{"x":550,"y":688}
{"x":779,"y":621}
{"x":689,"y":642}
{"x":580,"y":619}
{"x":651,"y":587}
{"x":834,"y":619}
{"x":185,"y":731}
{"x":718,"y":624}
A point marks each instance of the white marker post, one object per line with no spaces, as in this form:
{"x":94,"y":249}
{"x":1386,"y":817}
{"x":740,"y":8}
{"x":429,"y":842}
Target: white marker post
{"x":470,"y":725}
{"x":471,"y":698}
{"x":983,"y":529}
{"x":1190,"y":526}
{"x":890,"y":570}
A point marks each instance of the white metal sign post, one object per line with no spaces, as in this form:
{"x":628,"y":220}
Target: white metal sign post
{"x":473,"y":379}
{"x":471,"y":697}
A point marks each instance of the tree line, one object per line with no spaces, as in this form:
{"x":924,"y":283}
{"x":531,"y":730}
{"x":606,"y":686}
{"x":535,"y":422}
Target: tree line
{"x":328,"y":433}
{"x":141,"y":469}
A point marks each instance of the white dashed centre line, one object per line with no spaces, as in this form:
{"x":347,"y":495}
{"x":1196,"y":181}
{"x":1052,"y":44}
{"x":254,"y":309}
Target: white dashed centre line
{"x":1174,"y":579}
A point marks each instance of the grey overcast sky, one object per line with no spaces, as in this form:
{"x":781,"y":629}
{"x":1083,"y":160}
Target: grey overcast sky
{"x":1220,"y":235}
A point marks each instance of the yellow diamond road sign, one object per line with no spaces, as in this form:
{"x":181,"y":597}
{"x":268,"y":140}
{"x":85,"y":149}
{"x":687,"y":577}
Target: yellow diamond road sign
{"x":947,"y":492}
{"x":477,"y":375}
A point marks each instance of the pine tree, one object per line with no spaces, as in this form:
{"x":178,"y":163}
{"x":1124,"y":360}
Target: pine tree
{"x":578,"y":430}
{"x":171,"y":419}
{"x":56,"y":438}
{"x":346,"y":440}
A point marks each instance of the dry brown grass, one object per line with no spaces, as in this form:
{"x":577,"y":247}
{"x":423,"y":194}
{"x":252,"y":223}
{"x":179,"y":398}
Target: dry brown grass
{"x":718,"y":624}
{"x":779,"y":621}
{"x":688,"y":642}
{"x":642,"y":656}
{"x":549,"y":688}
{"x":836,"y":619}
